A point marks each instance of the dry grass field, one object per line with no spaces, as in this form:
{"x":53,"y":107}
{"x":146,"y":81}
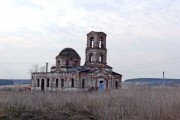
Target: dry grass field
{"x":125,"y":104}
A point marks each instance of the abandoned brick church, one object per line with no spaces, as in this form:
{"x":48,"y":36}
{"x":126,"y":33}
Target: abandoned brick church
{"x":68,"y":74}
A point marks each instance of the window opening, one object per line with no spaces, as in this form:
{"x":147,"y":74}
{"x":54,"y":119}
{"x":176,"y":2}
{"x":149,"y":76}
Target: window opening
{"x":90,"y":57}
{"x":67,"y":62}
{"x":42,"y":84}
{"x":91,"y":42}
{"x":100,"y":58}
{"x":38,"y":82}
{"x":72,"y":83}
{"x":48,"y":82}
{"x":58,"y":62}
{"x":100,"y":44}
{"x":76,"y":63}
{"x":116,"y":84}
{"x":57,"y":82}
{"x":62,"y":82}
{"x":83,"y":83}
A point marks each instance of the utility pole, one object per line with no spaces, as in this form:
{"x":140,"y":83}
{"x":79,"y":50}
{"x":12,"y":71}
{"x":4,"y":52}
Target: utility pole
{"x":164,"y":78}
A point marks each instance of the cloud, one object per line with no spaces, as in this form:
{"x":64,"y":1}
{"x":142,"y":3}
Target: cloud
{"x":138,"y":31}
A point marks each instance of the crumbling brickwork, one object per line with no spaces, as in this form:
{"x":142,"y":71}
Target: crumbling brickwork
{"x":67,"y":74}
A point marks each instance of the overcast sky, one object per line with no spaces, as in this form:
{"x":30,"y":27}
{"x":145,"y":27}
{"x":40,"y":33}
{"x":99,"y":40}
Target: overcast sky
{"x":143,"y":36}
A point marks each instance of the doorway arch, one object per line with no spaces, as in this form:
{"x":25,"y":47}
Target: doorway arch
{"x":83,"y":83}
{"x":42,"y":84}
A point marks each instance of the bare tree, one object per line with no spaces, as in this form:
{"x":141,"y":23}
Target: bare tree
{"x":35,"y":68}
{"x":42,"y":68}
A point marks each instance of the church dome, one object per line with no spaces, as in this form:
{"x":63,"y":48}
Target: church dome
{"x":69,"y":53}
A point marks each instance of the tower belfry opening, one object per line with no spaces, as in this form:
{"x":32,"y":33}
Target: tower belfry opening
{"x":91,"y":42}
{"x":101,"y":58}
{"x":91,"y":57}
{"x":100,"y":42}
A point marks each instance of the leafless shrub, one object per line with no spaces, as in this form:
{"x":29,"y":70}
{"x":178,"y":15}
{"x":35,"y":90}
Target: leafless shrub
{"x":129,"y":104}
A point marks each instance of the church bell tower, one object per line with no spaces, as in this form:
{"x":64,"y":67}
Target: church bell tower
{"x":96,"y":52}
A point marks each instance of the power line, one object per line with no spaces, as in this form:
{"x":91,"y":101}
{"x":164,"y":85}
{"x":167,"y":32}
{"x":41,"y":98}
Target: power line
{"x":145,"y":67}
{"x":156,"y":62}
{"x":142,"y":66}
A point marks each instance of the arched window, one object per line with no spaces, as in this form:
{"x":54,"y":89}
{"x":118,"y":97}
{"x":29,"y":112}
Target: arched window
{"x":47,"y":82}
{"x":100,"y":58}
{"x":100,"y":42}
{"x":116,"y":84}
{"x":90,"y":57}
{"x":38,"y":82}
{"x":58,"y":62}
{"x":83,"y":83}
{"x":67,"y":62}
{"x":57,"y":82}
{"x":76,"y":63}
{"x":42,"y":84}
{"x":62,"y":82}
{"x":72,"y":83}
{"x":91,"y":42}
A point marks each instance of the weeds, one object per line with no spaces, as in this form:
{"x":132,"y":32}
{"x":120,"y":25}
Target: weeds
{"x":127,"y":104}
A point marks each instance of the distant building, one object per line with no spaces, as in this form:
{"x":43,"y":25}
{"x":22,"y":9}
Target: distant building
{"x":67,"y":74}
